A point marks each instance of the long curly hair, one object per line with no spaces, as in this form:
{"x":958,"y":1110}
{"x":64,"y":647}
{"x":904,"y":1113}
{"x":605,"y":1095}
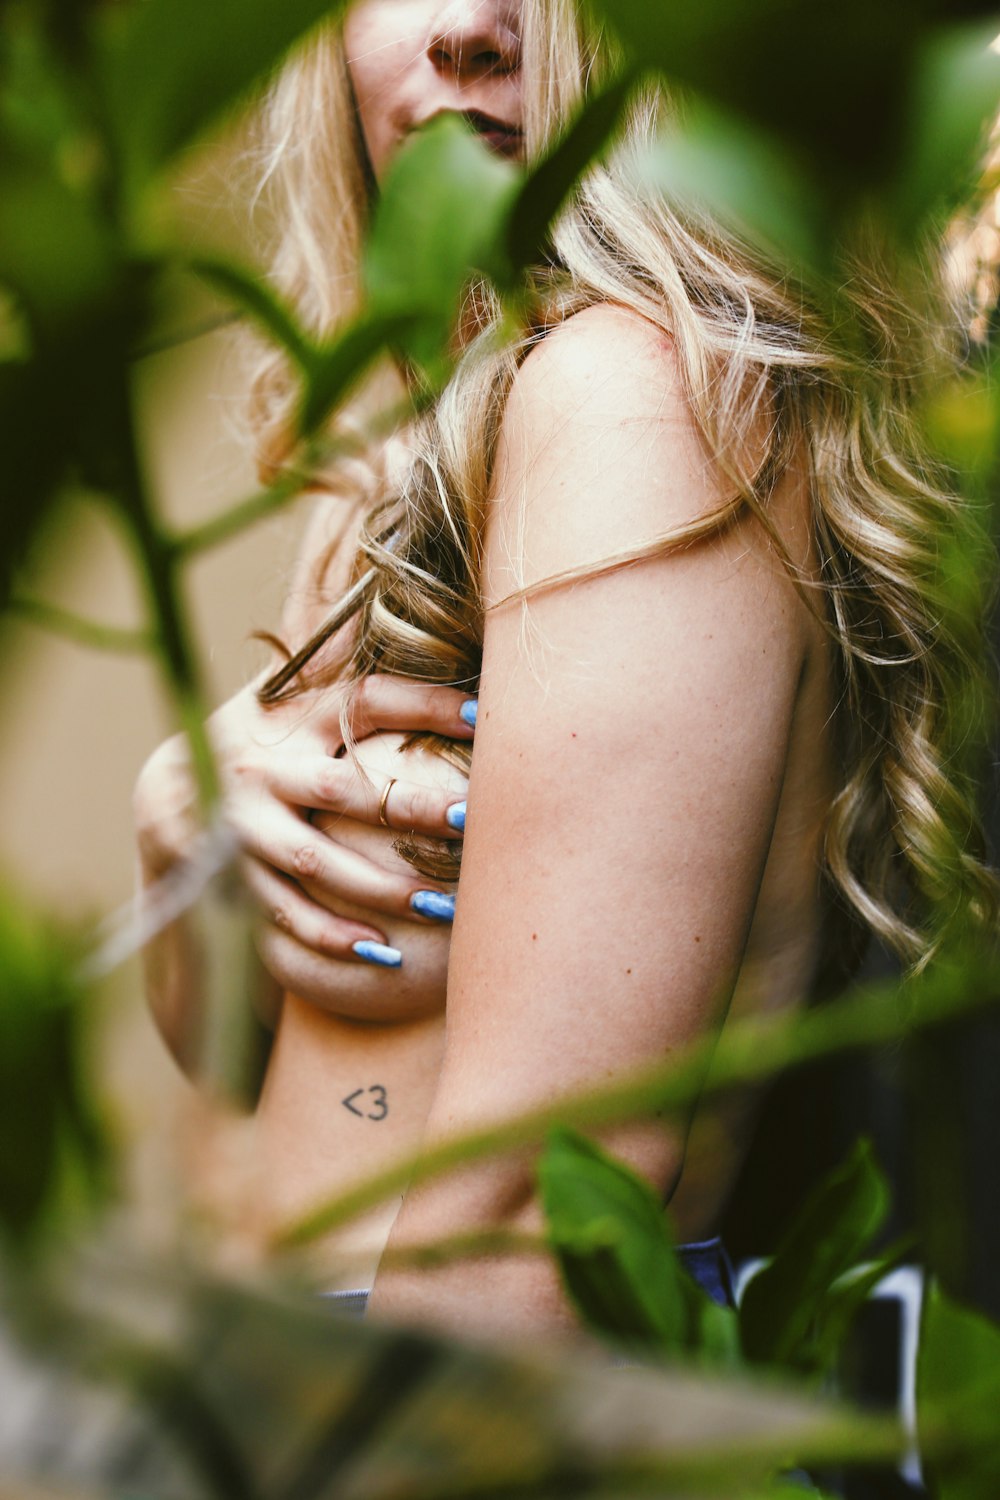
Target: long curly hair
{"x":904,"y":848}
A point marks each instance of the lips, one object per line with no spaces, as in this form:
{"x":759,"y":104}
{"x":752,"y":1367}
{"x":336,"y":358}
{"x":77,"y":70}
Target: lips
{"x":506,"y":139}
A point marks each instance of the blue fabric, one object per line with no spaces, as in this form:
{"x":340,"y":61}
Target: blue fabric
{"x":705,"y":1261}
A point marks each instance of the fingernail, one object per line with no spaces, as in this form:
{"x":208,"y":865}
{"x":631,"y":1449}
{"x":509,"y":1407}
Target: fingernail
{"x":378,"y":953}
{"x":468,"y":711}
{"x":434,"y":904}
{"x":455,"y":816}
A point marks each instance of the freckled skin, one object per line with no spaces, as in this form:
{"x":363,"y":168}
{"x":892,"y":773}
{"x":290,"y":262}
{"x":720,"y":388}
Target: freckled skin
{"x":692,"y":802}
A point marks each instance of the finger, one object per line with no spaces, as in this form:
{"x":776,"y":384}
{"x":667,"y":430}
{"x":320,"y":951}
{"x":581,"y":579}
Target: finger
{"x":353,"y":988}
{"x":287,"y":909}
{"x":386,"y":702}
{"x":322,"y":782}
{"x":294,"y":848}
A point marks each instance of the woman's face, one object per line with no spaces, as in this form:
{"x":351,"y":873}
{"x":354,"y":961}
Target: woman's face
{"x":410,"y":60}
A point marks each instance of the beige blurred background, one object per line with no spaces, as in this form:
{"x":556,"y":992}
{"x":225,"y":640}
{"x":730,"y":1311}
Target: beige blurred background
{"x":79,"y":723}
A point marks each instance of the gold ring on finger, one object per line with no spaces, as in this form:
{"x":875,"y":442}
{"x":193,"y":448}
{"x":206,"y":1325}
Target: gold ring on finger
{"x":382,"y":816}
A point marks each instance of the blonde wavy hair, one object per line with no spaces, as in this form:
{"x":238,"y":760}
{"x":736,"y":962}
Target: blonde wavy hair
{"x":904,"y":848}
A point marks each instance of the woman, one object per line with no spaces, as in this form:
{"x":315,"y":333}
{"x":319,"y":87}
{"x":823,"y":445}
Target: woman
{"x":685,"y":538}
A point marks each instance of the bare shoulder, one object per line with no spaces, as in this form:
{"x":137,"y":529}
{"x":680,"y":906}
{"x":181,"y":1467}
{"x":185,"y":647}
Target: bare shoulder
{"x":604,"y":354}
{"x":600,"y":450}
{"x":608,"y":331}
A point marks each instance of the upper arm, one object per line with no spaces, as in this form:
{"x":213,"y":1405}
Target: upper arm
{"x":631,"y":739}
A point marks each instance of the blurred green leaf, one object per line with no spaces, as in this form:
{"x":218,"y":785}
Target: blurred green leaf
{"x":958,"y":1393}
{"x":55,"y":251}
{"x":52,"y":1150}
{"x":716,"y":1340}
{"x":954,"y":97}
{"x":844,"y":1301}
{"x":962,"y":421}
{"x":609,"y":1232}
{"x":439,"y":220}
{"x":721,"y":166}
{"x":782,"y":1303}
{"x":62,"y":414}
{"x":251,"y":292}
{"x":34,"y":451}
{"x":42,"y":99}
{"x":829,"y":78}
{"x":337,"y":366}
{"x":171,"y":66}
{"x":236,"y":1389}
{"x":549,"y":183}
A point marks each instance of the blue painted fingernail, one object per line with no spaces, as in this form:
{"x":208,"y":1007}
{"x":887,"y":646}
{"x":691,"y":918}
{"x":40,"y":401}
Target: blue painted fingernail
{"x":378,"y":953}
{"x":468,"y":711}
{"x":434,"y":904}
{"x":455,"y":816}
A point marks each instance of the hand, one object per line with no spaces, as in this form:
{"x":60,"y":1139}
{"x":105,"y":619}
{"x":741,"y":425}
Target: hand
{"x":277,"y":765}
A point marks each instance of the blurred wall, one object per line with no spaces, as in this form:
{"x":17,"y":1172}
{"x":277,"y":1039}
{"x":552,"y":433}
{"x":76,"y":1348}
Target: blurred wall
{"x":79,"y":723}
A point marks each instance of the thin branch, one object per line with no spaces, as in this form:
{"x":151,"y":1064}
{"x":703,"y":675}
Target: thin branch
{"x":749,"y":1051}
{"x":231,"y":522}
{"x":161,"y":569}
{"x":711,"y":1470}
{"x":321,"y":451}
{"x":77,"y":628}
{"x":461,"y":1246}
{"x":188,"y":335}
{"x":153,"y":909}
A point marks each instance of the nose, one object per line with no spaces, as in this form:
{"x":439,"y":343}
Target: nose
{"x":474,"y":39}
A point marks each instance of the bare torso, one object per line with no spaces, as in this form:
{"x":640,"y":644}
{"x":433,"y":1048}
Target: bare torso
{"x":345,"y":1093}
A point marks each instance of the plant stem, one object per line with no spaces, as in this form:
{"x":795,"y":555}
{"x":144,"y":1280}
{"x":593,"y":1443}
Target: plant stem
{"x":76,"y":628}
{"x":160,"y":566}
{"x":462,"y":1246}
{"x":231,"y":522}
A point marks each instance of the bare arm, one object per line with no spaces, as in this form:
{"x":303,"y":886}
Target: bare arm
{"x":629,"y":759}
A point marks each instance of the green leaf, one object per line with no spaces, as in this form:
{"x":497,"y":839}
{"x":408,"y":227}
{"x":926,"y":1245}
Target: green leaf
{"x":55,"y":251}
{"x":171,"y":66}
{"x":717,"y":1335}
{"x":828,"y":78}
{"x":250,"y":291}
{"x":439,"y":221}
{"x":845,"y":1300}
{"x":550,"y":181}
{"x":954,"y":98}
{"x":610,"y":1235}
{"x":838,"y":1221}
{"x":962,"y":421}
{"x":746,"y":178}
{"x":52,"y":1151}
{"x":958,"y":1392}
{"x":338,"y":366}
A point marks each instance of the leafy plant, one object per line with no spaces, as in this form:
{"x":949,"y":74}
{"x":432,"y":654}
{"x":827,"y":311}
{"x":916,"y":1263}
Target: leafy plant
{"x":54,"y":1149}
{"x":620,"y":1267}
{"x":804,"y":123}
{"x":958,"y":1387}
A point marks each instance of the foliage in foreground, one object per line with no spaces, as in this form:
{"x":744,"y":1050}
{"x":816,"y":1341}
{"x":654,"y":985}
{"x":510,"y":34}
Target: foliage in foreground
{"x":806,"y":122}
